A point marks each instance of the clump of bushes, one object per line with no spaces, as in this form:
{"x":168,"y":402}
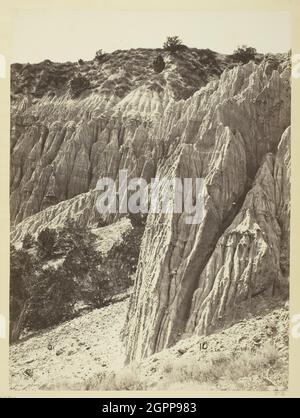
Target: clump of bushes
{"x":220,"y":368}
{"x":78,"y":84}
{"x":173,"y":44}
{"x":127,"y":379}
{"x":46,"y":276}
{"x":158,"y":64}
{"x":59,"y":268}
{"x":21,"y":272}
{"x":101,"y":56}
{"x":46,"y":240}
{"x":28,"y":242}
{"x":244,"y":54}
{"x":51,"y":298}
{"x":207,"y":57}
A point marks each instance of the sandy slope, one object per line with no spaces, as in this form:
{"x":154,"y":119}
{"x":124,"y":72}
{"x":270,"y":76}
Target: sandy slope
{"x":82,"y":352}
{"x":64,"y":356}
{"x":250,"y":355}
{"x":247,"y":336}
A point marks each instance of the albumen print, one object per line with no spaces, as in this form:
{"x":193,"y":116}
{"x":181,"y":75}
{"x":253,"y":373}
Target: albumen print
{"x":150,"y":200}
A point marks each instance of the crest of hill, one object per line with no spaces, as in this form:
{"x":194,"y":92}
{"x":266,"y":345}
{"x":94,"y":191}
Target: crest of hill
{"x":184,"y":72}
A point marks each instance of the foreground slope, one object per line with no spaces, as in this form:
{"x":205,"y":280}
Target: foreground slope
{"x":87,"y":353}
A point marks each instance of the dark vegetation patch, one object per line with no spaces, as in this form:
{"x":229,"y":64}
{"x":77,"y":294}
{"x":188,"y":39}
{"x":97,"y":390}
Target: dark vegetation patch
{"x":53,"y":274}
{"x":186,"y":70}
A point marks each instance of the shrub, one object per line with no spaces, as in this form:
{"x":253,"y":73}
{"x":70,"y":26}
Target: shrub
{"x":207,"y":57}
{"x":78,"y":84}
{"x":46,"y":240}
{"x":51,"y":299}
{"x":101,"y":56}
{"x":244,"y":54}
{"x":50,"y":274}
{"x":173,"y":44}
{"x":137,"y":219}
{"x":102,"y":223}
{"x":21,"y":272}
{"x":126,"y":379}
{"x":28,"y":242}
{"x":218,"y":367}
{"x":158,"y":64}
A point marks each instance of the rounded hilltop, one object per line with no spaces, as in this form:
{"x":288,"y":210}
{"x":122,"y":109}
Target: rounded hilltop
{"x":176,"y":67}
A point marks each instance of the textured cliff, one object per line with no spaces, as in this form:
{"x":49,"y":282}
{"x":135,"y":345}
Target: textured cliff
{"x":201,"y":116}
{"x":198,"y":277}
{"x":62,"y":144}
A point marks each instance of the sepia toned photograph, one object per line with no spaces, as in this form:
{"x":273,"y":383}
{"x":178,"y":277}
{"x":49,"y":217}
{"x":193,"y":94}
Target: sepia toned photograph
{"x":150,"y":201}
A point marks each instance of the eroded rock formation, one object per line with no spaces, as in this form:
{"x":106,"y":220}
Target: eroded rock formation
{"x":197,"y":277}
{"x":61,"y":145}
{"x":223,"y":122}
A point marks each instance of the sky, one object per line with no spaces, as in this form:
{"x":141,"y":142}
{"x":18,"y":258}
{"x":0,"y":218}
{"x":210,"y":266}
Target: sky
{"x":67,"y":36}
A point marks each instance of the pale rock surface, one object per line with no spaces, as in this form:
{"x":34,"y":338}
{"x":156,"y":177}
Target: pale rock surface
{"x":195,"y":275}
{"x":233,"y":132}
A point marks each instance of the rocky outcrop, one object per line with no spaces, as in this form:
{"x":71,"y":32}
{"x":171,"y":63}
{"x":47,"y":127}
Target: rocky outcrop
{"x":61,"y":144}
{"x":246,"y":260}
{"x":196,"y":276}
{"x":228,"y":124}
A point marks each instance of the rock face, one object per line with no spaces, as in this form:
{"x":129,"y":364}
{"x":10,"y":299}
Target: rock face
{"x":198,"y":277}
{"x":61,"y":145}
{"x":246,"y":259}
{"x":200,"y":117}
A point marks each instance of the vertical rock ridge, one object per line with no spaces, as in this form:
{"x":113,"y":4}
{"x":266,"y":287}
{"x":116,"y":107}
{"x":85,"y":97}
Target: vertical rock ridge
{"x":231,"y":148}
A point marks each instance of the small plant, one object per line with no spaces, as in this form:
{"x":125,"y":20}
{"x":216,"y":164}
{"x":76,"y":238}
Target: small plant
{"x":99,"y":54}
{"x":102,"y":223}
{"x":46,"y":240}
{"x":220,"y":366}
{"x":158,"y":64}
{"x":207,"y":57}
{"x":244,"y":54}
{"x":51,"y":299}
{"x":138,"y":219}
{"x":21,"y":272}
{"x":173,"y":44}
{"x":126,"y":379}
{"x":167,"y":367}
{"x":78,"y":84}
{"x":28,"y":242}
